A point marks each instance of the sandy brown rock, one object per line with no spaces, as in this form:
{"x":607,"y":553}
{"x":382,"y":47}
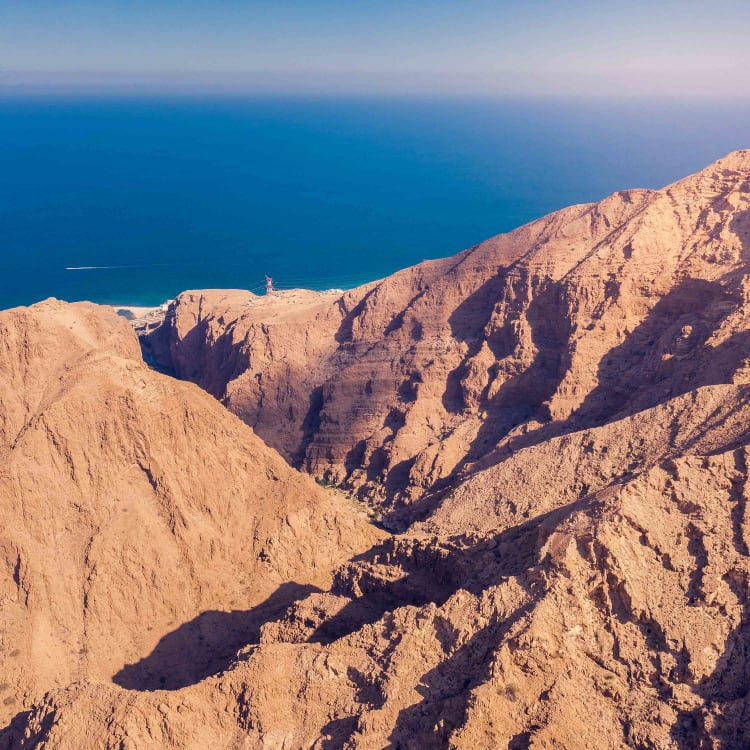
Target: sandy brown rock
{"x":558,"y":419}
{"x":625,"y":612}
{"x":139,"y":518}
{"x":594,"y":311}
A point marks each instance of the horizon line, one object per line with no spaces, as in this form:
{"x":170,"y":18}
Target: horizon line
{"x":520,"y":84}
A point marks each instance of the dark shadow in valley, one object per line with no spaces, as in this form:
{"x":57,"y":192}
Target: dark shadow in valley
{"x":396,"y":573}
{"x":205,"y":645}
{"x":310,"y":426}
{"x":199,"y":357}
{"x":163,"y":368}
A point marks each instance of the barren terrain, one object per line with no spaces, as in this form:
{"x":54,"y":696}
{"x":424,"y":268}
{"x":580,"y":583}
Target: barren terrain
{"x":553,"y":426}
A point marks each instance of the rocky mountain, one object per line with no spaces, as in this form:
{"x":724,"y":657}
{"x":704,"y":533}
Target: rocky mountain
{"x":398,"y":388}
{"x":141,"y":521}
{"x":555,"y":423}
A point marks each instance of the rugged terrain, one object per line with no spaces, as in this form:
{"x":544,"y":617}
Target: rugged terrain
{"x":556,"y":424}
{"x":397,"y":388}
{"x":141,"y":521}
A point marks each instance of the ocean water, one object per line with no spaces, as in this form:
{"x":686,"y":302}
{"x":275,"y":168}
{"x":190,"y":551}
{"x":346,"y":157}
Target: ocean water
{"x":146,"y":197}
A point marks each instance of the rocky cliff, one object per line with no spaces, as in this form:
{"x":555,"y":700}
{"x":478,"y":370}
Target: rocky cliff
{"x":140,"y":520}
{"x":398,"y":388}
{"x":557,"y":423}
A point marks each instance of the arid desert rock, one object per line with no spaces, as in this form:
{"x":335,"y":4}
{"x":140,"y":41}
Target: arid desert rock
{"x":555,"y":423}
{"x":136,"y":508}
{"x":397,"y":388}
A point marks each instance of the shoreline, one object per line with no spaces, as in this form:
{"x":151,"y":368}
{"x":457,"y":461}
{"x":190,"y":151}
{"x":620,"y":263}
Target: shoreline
{"x":137,"y":311}
{"x":143,"y":311}
{"x":144,"y":319}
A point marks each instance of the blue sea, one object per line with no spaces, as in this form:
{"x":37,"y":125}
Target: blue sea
{"x":145,"y":197}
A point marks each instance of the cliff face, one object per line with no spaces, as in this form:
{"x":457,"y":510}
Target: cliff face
{"x":594,"y":312}
{"x":558,"y":419}
{"x":136,"y":509}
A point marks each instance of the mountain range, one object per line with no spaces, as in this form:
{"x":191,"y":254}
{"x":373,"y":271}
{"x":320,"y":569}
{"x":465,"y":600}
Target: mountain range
{"x":529,"y":527}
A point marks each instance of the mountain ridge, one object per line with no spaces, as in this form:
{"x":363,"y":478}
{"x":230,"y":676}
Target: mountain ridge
{"x":133,"y":503}
{"x":554,"y":422}
{"x":446,"y":340}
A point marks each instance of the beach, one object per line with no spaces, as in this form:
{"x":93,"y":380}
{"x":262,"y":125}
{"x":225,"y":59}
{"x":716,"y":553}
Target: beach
{"x":142,"y":319}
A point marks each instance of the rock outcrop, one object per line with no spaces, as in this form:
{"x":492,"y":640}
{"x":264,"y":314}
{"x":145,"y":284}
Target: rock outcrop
{"x":615,"y":621}
{"x":141,"y":521}
{"x":557,"y":423}
{"x":397,"y":388}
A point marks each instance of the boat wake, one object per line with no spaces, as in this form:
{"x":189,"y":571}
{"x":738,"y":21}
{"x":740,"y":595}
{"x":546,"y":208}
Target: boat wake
{"x":90,"y":268}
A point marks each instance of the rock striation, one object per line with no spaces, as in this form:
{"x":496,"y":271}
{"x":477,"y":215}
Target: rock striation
{"x":400,"y":387}
{"x":556,"y":423}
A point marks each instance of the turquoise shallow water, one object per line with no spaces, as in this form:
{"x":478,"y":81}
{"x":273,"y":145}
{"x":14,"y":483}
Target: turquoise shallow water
{"x":162,"y":195}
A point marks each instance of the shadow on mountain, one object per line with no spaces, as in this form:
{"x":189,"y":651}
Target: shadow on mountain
{"x":206,"y":645}
{"x":667,"y":355}
{"x":468,"y":324}
{"x":428,"y":574}
{"x":725,"y":693}
{"x":524,"y":396}
{"x":423,"y":576}
{"x":446,"y":689}
{"x":16,"y":734}
{"x":310,"y":427}
{"x":333,"y":736}
{"x":399,"y":573}
{"x":209,"y":362}
{"x":345,"y":333}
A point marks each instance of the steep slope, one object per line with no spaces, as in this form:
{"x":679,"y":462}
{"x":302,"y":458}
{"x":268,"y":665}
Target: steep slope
{"x":135,"y":508}
{"x":558,"y":419}
{"x":594,"y":311}
{"x":616,"y":621}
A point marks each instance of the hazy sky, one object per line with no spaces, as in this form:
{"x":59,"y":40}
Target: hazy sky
{"x":689,"y":47}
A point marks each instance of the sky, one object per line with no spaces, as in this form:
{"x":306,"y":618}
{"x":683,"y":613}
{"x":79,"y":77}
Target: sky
{"x":579,"y":47}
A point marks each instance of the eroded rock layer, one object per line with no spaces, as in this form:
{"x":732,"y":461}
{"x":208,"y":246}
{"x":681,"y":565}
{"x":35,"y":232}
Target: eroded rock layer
{"x":557,"y":422}
{"x":398,"y":387}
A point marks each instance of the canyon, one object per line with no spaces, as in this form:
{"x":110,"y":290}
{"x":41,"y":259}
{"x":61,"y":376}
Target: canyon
{"x":529,"y":528}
